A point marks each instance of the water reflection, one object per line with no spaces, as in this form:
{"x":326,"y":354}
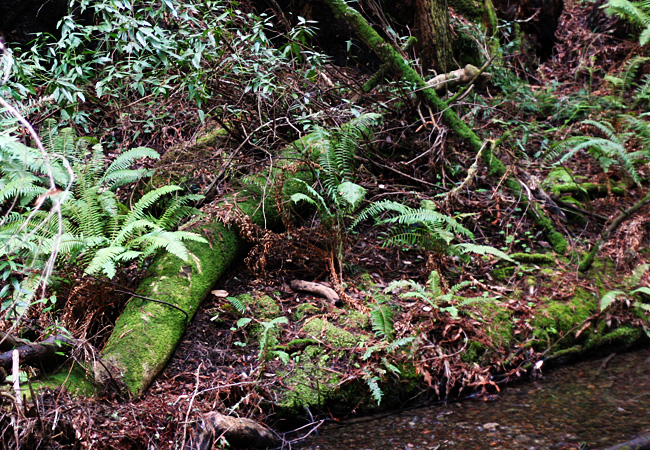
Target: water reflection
{"x":589,"y":405}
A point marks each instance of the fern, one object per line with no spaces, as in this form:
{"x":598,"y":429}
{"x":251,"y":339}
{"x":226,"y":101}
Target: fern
{"x":638,"y":13}
{"x":238,"y":304}
{"x":399,"y":343}
{"x":373,"y":385}
{"x":421,"y":227}
{"x":607,"y":151}
{"x":483,"y":250}
{"x":382,"y":321}
{"x":98,"y":230}
{"x":434,"y":295}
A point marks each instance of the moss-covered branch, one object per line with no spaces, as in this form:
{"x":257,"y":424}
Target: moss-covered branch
{"x":496,"y":168}
{"x":402,"y":69}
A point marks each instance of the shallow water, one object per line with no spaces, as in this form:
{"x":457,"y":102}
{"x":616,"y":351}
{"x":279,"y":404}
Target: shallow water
{"x":589,"y":405}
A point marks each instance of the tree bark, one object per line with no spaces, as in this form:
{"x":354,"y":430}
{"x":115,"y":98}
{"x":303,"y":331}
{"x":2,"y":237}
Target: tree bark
{"x":433,"y":35}
{"x":239,"y":432}
{"x":35,"y":354}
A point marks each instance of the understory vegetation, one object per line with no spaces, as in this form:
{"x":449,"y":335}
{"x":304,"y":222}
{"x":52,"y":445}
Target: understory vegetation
{"x":442,"y":269}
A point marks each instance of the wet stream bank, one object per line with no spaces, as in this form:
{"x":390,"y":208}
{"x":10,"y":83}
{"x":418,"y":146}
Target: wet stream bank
{"x":588,"y":405}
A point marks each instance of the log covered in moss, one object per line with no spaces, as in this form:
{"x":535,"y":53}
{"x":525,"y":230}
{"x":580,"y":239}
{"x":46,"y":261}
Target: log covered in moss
{"x":153,"y":322}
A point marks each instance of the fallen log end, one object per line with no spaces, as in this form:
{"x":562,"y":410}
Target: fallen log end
{"x":239,"y":432}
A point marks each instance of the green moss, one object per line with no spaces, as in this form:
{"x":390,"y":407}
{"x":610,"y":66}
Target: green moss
{"x":305,"y":310}
{"x":474,"y":352}
{"x":263,"y":307}
{"x":73,"y":378}
{"x":470,"y":9}
{"x":211,"y":138}
{"x":498,"y":325}
{"x":335,"y":336}
{"x":146,"y":333}
{"x":533,"y":258}
{"x":365,"y":282}
{"x":307,"y":384}
{"x":558,"y":175}
{"x":503,"y":273}
{"x":557,"y":323}
{"x":624,"y":337}
{"x":585,"y":191}
{"x":355,"y":320}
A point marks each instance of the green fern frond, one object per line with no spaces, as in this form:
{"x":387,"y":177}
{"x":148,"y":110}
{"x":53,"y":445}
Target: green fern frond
{"x":170,"y":241}
{"x":631,"y":11}
{"x":179,"y":208}
{"x":375,"y":390}
{"x":104,"y":261}
{"x":22,"y":189}
{"x":382,"y":321}
{"x":119,"y":172}
{"x":483,"y":250}
{"x":239,"y":305}
{"x":399,"y":343}
{"x":147,"y":201}
{"x":476,"y":300}
{"x":606,"y":150}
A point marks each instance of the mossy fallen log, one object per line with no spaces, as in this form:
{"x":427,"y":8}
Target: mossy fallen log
{"x":151,"y":325}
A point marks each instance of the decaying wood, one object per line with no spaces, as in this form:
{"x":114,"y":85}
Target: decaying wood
{"x":147,"y":333}
{"x":315,"y":288}
{"x":9,"y":341}
{"x":36,"y":354}
{"x":460,"y":76}
{"x":239,"y":432}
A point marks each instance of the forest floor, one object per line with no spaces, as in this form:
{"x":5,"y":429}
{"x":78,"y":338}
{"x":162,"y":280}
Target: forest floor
{"x":211,"y":372}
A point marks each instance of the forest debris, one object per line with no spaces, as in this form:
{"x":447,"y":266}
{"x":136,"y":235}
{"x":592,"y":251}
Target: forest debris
{"x":460,"y":76}
{"x":315,"y":288}
{"x":588,"y":259}
{"x":34,"y":354}
{"x":239,"y":432}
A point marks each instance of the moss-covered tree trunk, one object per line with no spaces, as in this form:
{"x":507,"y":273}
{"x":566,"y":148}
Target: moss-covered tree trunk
{"x":433,"y":34}
{"x":153,"y":322}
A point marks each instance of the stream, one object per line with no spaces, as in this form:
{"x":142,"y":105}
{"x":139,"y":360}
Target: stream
{"x":588,"y":405}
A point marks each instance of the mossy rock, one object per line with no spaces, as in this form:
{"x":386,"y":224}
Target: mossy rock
{"x":305,"y":310}
{"x":335,"y":336}
{"x":559,"y":175}
{"x":262,"y":306}
{"x":306,"y":384}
